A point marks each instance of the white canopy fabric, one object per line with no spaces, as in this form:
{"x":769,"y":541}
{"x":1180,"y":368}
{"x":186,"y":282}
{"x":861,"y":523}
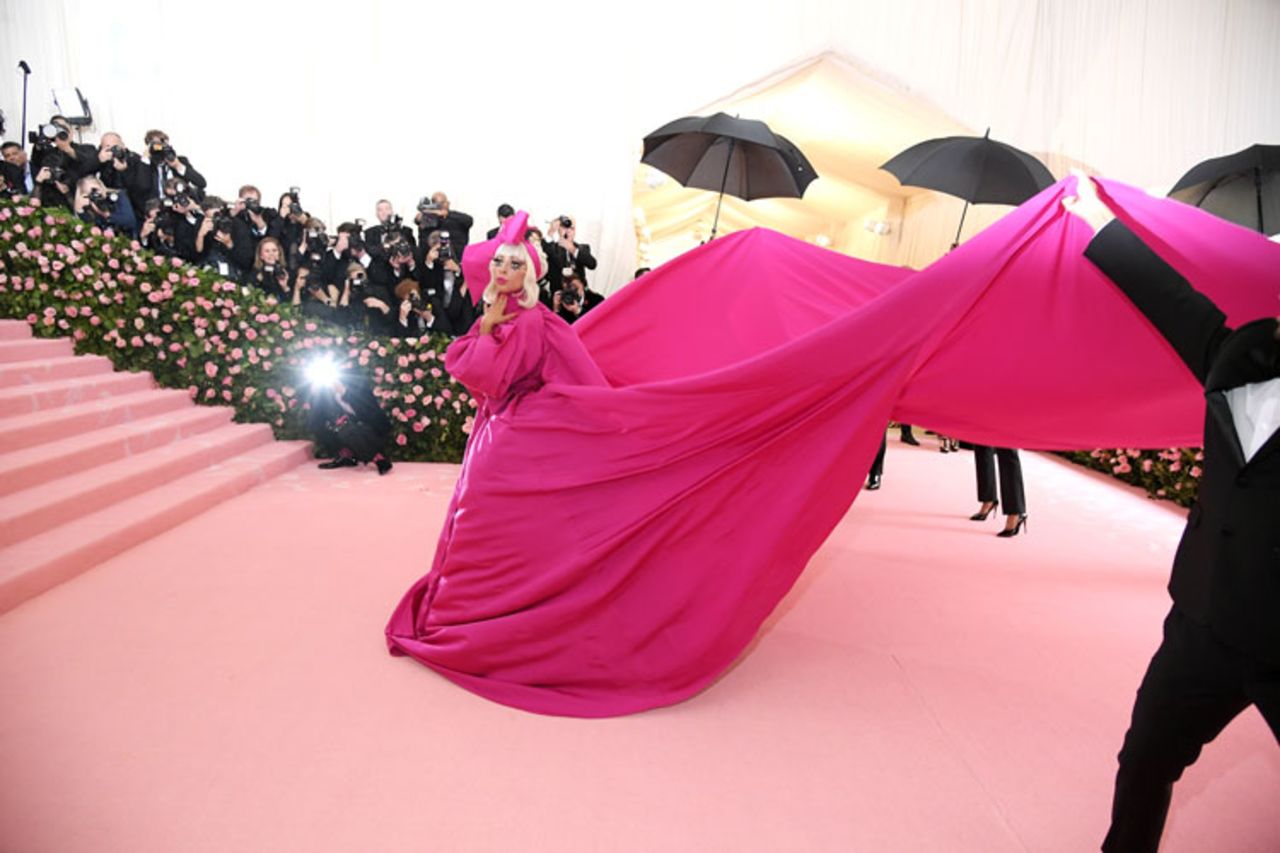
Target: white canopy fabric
{"x":544,"y":106}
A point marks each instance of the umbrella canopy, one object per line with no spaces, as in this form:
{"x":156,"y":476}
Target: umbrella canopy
{"x":979,"y":170}
{"x":726,"y":154}
{"x":1243,"y":187}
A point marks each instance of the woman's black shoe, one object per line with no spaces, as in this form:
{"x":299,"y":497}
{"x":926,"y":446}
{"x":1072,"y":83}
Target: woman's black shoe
{"x":908,"y":438}
{"x":383,"y":463}
{"x":1013,"y":531}
{"x":873,"y":484}
{"x":982,"y":514}
{"x":340,"y":462}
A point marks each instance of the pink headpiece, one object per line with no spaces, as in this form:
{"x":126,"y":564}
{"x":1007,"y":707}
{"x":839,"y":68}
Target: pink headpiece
{"x":476,"y":257}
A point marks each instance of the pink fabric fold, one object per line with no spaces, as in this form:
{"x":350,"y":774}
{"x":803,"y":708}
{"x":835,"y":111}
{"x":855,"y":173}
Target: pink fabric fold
{"x":613,"y":546}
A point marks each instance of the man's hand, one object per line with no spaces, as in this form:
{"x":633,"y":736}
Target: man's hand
{"x":452,"y":266}
{"x":1086,"y":205}
{"x":43,"y":175}
{"x":377,"y":304}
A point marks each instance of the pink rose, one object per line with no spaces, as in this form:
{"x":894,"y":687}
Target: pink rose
{"x":210,"y":369}
{"x":402,"y":439}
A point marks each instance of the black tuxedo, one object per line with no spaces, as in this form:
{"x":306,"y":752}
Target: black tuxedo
{"x":558,"y":260}
{"x":455,"y":317}
{"x":455,"y":222}
{"x":1221,"y":648}
{"x":373,"y":239}
{"x":160,"y":171}
{"x":135,"y":180}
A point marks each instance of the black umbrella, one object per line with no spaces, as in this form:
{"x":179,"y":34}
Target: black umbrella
{"x":727,"y":154}
{"x":978,"y":170}
{"x":1243,"y":187}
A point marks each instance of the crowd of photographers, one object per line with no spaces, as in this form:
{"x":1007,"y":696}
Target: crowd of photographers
{"x":394,"y":279}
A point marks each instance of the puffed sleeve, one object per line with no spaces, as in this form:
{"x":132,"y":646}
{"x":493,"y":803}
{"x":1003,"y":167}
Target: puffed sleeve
{"x":488,"y":365}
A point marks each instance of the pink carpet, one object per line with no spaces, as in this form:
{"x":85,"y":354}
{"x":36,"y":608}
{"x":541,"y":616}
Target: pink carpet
{"x":927,"y":686}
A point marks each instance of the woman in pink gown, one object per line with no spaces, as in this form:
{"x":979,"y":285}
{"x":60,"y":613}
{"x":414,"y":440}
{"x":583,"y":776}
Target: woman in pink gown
{"x":636,"y":497}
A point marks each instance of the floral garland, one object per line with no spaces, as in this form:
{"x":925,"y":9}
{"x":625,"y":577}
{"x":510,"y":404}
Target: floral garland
{"x":224,"y":343}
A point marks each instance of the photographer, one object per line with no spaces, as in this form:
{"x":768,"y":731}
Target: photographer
{"x":249,"y":210}
{"x":375,"y":300}
{"x":574,"y":298}
{"x":159,"y":230}
{"x":348,"y":424}
{"x":390,"y":227}
{"x":104,"y":208}
{"x":505,"y":212}
{"x":414,"y":316}
{"x":564,"y":255}
{"x":185,"y":218}
{"x":443,"y":289}
{"x":121,"y":169}
{"x":18,"y":176}
{"x":434,"y":214}
{"x":52,"y":147}
{"x":289,"y":225}
{"x":270,"y":272}
{"x":222,"y":241}
{"x":166,"y":164}
{"x":313,"y":249}
{"x":54,"y":173}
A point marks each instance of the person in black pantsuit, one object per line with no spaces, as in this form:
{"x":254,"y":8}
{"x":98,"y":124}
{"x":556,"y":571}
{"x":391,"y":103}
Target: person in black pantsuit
{"x":1221,"y":647}
{"x":1015,"y":497}
{"x":877,"y":467}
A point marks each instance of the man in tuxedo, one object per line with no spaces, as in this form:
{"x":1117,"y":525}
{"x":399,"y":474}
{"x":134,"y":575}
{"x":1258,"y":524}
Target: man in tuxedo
{"x":389,"y":226}
{"x":249,"y":210}
{"x":121,"y":169}
{"x":1221,"y":647}
{"x":439,"y":216}
{"x":165,"y":164}
{"x":444,"y":291}
{"x":574,"y":298}
{"x":564,"y":254}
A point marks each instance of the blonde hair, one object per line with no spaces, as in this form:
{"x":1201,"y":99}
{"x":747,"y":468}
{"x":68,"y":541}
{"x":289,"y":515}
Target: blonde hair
{"x":529,"y":292}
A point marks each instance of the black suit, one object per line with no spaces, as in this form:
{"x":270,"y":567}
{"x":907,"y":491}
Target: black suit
{"x":1221,"y":648}
{"x":373,"y":239}
{"x":160,"y":171}
{"x":135,"y":179}
{"x":454,"y":313}
{"x":558,"y":260}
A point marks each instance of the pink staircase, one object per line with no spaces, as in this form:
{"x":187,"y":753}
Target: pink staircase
{"x":93,"y":462}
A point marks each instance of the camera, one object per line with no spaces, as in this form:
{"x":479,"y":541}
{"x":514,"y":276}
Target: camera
{"x":398,"y":247}
{"x":222,"y":220}
{"x":569,"y":295}
{"x":105,"y":202}
{"x":317,"y":242}
{"x":162,"y":150}
{"x":57,"y":172}
{"x":295,"y":206}
{"x":415,"y":300}
{"x":566,"y":222}
{"x":355,"y":242}
{"x":119,"y":152}
{"x":47,"y":135}
{"x":446,"y":248}
{"x":359,"y":281}
{"x":251,"y":204}
{"x":180,"y":194}
{"x":429,"y":214}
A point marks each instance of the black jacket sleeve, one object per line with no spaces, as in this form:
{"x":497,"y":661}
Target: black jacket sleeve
{"x":1187,"y":319}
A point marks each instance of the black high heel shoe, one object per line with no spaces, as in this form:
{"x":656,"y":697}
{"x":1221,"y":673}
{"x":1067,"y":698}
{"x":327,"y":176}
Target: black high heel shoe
{"x":983,"y":514}
{"x":1013,"y":531}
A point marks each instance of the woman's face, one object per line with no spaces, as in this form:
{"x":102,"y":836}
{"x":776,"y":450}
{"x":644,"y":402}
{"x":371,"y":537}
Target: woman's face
{"x":269,"y":253}
{"x":508,"y":270}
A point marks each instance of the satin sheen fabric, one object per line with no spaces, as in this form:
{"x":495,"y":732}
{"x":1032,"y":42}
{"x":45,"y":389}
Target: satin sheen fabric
{"x":637,"y":496}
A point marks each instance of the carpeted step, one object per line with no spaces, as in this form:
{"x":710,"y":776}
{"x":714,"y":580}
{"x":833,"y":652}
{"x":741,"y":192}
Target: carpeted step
{"x":52,"y":369}
{"x":56,"y":424}
{"x":14,"y":330}
{"x":41,"y":562}
{"x":32,"y":511}
{"x":33,"y":348}
{"x":32,"y":466}
{"x":26,"y":399}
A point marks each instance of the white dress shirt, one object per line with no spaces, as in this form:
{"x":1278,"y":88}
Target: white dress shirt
{"x":1255,"y":409}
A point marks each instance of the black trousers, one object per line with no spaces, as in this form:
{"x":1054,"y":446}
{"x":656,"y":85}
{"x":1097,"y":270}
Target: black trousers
{"x":877,"y":466}
{"x":984,"y":460}
{"x":1194,"y":686}
{"x":904,"y":430}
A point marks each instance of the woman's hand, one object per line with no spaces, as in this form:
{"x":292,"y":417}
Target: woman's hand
{"x":495,"y":314}
{"x":1086,"y":204}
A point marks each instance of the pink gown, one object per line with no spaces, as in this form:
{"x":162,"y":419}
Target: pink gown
{"x":640,"y":491}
